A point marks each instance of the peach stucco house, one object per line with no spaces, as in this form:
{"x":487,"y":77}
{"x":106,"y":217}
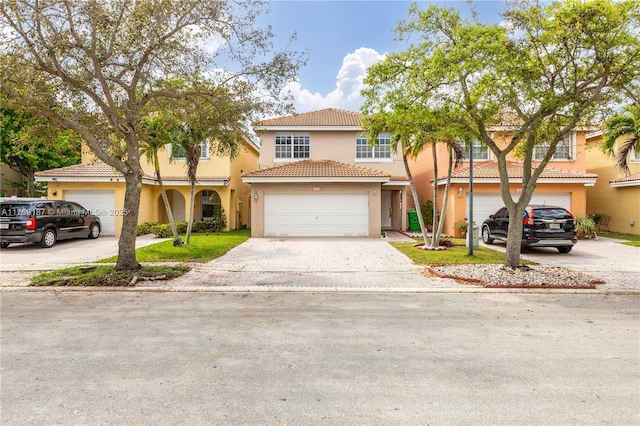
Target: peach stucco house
{"x":318,"y":176}
{"x":564,"y":181}
{"x":616,"y":194}
{"x":100,"y":188}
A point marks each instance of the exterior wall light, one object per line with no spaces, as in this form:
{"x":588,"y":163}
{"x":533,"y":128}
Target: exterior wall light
{"x":460,"y":192}
{"x":255,"y":195}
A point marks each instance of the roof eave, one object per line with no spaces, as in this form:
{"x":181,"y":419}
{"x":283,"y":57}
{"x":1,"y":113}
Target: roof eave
{"x":305,"y":128}
{"x":293,"y":179}
{"x":587,"y":181}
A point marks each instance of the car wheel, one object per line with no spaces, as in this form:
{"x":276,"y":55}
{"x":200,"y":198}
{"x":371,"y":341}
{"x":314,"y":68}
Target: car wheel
{"x":94,"y":231}
{"x":486,"y":235}
{"x":564,"y":249}
{"x":4,"y":245}
{"x":48,"y":238}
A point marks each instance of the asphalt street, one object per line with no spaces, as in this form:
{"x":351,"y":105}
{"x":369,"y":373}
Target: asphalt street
{"x":190,"y":358}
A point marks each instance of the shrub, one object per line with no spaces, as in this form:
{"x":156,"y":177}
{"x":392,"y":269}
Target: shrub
{"x":146,"y":228}
{"x":426,"y":209}
{"x":585,"y":226}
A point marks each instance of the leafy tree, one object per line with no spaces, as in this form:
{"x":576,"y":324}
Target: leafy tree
{"x":625,"y":127}
{"x":29,"y":144}
{"x":97,"y":67}
{"x":544,"y":71}
{"x":413,"y":129}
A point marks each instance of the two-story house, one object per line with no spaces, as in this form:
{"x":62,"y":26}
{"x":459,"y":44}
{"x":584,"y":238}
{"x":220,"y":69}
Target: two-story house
{"x":319,"y":176}
{"x":563,"y":182}
{"x":616,"y":194}
{"x":100,"y":188}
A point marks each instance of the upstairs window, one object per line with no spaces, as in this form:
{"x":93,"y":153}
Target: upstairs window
{"x":479,"y":152}
{"x":180,"y":154}
{"x":292,"y":145}
{"x":380,"y":151}
{"x":563,"y":150}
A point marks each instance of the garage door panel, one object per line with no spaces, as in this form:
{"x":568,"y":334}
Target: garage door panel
{"x":306,"y":215}
{"x":100,"y":203}
{"x":485,"y":204}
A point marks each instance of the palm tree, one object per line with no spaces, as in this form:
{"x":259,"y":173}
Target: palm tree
{"x":186,"y":140}
{"x":154,"y":137}
{"x":625,"y":127}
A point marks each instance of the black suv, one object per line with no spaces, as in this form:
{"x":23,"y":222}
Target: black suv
{"x":544,"y":226}
{"x":45,"y":222}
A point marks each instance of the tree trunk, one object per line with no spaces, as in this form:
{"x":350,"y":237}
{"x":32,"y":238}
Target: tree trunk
{"x":30,"y":181}
{"x":514,"y":241}
{"x":436,"y":234}
{"x":416,"y":200}
{"x":167,"y":206}
{"x":436,"y":222}
{"x":127,"y":241}
{"x":191,"y":208}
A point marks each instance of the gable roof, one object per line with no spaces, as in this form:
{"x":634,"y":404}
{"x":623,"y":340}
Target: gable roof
{"x":488,"y":172}
{"x":316,"y":170}
{"x":330,"y":117}
{"x":101,"y":172}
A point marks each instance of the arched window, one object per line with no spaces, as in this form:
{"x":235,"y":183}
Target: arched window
{"x":211,"y":205}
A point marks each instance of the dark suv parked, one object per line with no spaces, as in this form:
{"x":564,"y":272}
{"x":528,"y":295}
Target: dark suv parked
{"x":45,"y":222}
{"x":544,"y":226}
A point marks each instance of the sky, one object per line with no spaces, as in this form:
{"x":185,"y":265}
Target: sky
{"x":342,"y":38}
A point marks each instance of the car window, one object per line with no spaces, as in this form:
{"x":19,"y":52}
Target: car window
{"x":76,"y":210}
{"x":553,"y":213}
{"x":45,"y":209}
{"x":502,"y":213}
{"x":15,"y":210}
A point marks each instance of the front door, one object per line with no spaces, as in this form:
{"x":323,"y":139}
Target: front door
{"x":387,"y":209}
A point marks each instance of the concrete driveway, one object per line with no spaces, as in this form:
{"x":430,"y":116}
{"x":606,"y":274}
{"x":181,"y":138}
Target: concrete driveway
{"x":347,"y":263}
{"x":19,"y":261}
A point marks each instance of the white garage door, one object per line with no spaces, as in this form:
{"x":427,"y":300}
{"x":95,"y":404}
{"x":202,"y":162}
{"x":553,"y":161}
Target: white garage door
{"x":100,"y":203}
{"x":487,"y":204}
{"x":316,"y":214}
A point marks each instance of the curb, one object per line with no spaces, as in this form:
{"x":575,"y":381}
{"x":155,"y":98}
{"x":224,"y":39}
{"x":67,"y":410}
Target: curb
{"x":302,"y":289}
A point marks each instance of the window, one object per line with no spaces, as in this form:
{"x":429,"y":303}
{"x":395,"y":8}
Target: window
{"x":479,"y":151}
{"x":365,"y":151}
{"x":563,"y":150}
{"x":211,"y":205}
{"x":179,"y":153}
{"x":292,"y":145}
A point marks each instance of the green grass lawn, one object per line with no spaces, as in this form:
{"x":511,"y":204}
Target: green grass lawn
{"x":457,"y":254}
{"x":201,"y":248}
{"x":631,"y":239}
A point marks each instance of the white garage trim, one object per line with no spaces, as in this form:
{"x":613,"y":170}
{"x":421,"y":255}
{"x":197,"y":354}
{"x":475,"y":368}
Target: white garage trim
{"x":316,"y":214}
{"x":99,"y":203}
{"x":485,"y":204}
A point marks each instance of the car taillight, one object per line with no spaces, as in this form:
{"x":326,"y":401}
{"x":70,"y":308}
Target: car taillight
{"x":31,"y":223}
{"x":529,"y":221}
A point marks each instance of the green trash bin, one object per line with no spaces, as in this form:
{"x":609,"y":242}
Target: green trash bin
{"x":414,"y":223}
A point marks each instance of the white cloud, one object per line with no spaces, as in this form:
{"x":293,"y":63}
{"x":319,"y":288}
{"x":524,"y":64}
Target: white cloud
{"x":349,"y":83}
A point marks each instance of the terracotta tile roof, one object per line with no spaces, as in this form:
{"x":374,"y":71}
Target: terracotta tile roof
{"x":629,"y":178}
{"x":103,"y":170}
{"x":489,"y":169}
{"x":200,"y":179}
{"x":97,"y":169}
{"x":313,"y":168}
{"x":324,"y":117}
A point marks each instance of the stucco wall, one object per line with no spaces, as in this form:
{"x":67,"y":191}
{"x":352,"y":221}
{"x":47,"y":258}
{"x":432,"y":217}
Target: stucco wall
{"x":330,"y":145}
{"x":622,"y":204}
